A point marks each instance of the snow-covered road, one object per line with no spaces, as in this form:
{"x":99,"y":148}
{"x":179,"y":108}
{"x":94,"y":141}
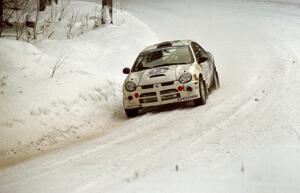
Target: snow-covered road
{"x":250,"y":126}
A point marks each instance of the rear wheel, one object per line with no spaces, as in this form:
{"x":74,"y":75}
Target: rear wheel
{"x":203,"y":93}
{"x":216,"y":79}
{"x":131,"y":112}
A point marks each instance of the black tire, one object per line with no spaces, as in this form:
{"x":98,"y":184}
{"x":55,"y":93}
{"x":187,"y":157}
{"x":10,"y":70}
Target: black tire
{"x":203,"y":93}
{"x":131,"y":112}
{"x":216,"y":84}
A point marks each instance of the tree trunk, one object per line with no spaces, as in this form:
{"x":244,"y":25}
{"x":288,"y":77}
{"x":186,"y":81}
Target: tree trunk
{"x":107,"y":12}
{"x":49,"y":2}
{"x":42,"y":5}
{"x":1,"y":13}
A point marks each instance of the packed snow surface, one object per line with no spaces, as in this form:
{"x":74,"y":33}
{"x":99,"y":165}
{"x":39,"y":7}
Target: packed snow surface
{"x":245,"y":139}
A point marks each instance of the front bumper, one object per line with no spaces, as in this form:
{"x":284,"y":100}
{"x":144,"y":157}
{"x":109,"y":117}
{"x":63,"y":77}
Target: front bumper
{"x":160,"y":94}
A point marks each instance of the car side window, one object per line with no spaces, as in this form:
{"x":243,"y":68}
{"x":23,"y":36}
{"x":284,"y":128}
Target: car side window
{"x":196,"y":52}
{"x":202,"y":51}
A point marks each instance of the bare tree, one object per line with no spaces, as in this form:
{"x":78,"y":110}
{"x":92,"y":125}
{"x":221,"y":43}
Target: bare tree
{"x":64,"y":5}
{"x":24,"y":16}
{"x":69,"y":28}
{"x":6,"y":14}
{"x":107,"y":12}
{"x":60,"y":60}
{"x":36,"y":19}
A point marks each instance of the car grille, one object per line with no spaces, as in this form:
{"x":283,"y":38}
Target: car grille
{"x":168,"y":91}
{"x":150,"y":97}
{"x":149,"y":94}
{"x":148,"y":100}
{"x":149,"y":86}
{"x":169,"y":94}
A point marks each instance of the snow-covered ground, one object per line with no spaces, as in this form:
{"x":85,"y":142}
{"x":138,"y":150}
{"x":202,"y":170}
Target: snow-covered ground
{"x":246,"y":139}
{"x":82,"y":99}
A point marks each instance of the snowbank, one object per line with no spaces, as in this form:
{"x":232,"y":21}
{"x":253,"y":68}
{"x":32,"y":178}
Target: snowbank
{"x":83,"y":97}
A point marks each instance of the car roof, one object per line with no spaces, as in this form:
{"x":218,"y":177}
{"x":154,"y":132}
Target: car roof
{"x":168,"y":44}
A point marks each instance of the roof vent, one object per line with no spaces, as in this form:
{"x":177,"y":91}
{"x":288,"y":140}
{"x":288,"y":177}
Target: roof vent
{"x":157,"y":75}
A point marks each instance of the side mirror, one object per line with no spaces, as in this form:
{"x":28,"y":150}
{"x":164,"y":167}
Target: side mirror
{"x":126,"y":71}
{"x":202,"y":59}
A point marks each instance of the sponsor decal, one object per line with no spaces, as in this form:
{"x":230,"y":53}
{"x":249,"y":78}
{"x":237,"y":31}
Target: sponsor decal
{"x":156,"y":71}
{"x":187,"y":98}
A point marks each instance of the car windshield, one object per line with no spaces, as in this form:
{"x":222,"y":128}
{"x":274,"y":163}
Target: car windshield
{"x":163,"y":57}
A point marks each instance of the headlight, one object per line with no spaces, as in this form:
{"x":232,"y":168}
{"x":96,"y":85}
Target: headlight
{"x":130,"y":86}
{"x":185,"y":78}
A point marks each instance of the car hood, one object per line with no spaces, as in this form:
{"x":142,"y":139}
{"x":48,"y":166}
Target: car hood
{"x":159,"y":74}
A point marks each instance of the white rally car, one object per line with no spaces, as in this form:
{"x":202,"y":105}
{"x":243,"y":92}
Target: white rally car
{"x":169,"y":72}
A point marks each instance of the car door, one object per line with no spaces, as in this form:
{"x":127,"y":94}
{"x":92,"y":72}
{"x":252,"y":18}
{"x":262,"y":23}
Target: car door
{"x":200,"y":52}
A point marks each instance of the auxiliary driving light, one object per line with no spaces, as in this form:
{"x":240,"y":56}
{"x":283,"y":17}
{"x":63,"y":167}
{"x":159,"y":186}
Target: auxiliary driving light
{"x":190,"y":89}
{"x":130,"y":98}
{"x":180,"y":88}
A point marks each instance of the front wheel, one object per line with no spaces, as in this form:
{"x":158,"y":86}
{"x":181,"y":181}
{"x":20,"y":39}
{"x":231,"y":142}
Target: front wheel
{"x":131,"y":112}
{"x":203,"y":94}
